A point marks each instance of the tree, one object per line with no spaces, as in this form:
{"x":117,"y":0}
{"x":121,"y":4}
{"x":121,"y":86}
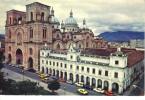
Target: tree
{"x":53,"y":85}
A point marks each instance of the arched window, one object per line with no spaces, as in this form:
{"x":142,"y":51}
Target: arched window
{"x":31,"y":33}
{"x":87,"y":44}
{"x":42,"y":16}
{"x":31,"y":16}
{"x":44,"y":33}
{"x":19,"y":20}
{"x":10,"y":21}
{"x":9,"y":35}
{"x":30,"y":51}
{"x":9,"y":48}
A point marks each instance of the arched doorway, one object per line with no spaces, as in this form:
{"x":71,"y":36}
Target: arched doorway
{"x":93,"y":82}
{"x":65,"y":75}
{"x":19,"y":57}
{"x":82,"y":78}
{"x":30,"y":63}
{"x":42,"y":69}
{"x":71,"y":76}
{"x":61,"y":74}
{"x":57,"y":73}
{"x":99,"y":83}
{"x":53,"y":72}
{"x":50,"y":71}
{"x":46,"y":70}
{"x":87,"y":81}
{"x":115,"y":87}
{"x":106,"y":85}
{"x":9,"y":58}
{"x":77,"y":78}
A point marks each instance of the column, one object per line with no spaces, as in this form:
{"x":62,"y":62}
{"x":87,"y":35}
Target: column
{"x":90,"y":81}
{"x":110,"y":86}
{"x":96,"y":82}
{"x":102,"y":84}
{"x":120,"y":89}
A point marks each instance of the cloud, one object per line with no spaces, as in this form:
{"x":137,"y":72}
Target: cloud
{"x":101,"y":15}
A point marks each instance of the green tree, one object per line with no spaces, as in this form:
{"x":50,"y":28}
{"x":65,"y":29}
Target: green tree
{"x":53,"y":85}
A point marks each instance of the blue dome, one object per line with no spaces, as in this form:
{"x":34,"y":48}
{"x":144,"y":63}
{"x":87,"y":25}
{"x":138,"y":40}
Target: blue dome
{"x":71,"y":21}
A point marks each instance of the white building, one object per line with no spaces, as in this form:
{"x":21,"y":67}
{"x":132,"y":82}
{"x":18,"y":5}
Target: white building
{"x":103,"y":68}
{"x":137,"y":43}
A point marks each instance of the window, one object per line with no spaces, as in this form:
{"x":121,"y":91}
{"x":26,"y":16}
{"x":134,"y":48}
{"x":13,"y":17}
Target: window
{"x":87,"y":44}
{"x":44,"y":33}
{"x":9,"y":35}
{"x":65,"y":66}
{"x":9,"y":48}
{"x":106,"y":73}
{"x":71,"y":57}
{"x":30,"y":51}
{"x":93,"y":71}
{"x":42,"y":16}
{"x":42,"y":61}
{"x":42,"y":53}
{"x":57,"y":64}
{"x":49,"y":62}
{"x":77,"y":67}
{"x":31,"y":16}
{"x":31,"y":33}
{"x":100,"y":72}
{"x":116,"y":62}
{"x":82,"y":68}
{"x":116,"y":75}
{"x":70,"y":66}
{"x":60,"y":64}
{"x":10,"y":20}
{"x":88,"y":70}
{"x":53,"y":63}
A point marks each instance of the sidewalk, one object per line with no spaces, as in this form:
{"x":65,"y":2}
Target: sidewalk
{"x":18,"y":77}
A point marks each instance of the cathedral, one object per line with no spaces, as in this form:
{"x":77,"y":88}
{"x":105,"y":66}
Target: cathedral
{"x":27,"y":32}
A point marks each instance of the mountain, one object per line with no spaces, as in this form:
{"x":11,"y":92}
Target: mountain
{"x":121,"y":36}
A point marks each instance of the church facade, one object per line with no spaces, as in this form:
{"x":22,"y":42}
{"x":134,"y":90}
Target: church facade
{"x":27,"y":32}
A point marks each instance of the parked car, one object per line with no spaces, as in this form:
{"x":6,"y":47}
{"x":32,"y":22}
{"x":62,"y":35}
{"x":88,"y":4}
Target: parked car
{"x":82,"y":91}
{"x":69,"y":82}
{"x":88,"y":87}
{"x":108,"y":93}
{"x":99,"y":90}
{"x":79,"y":84}
{"x":45,"y":79}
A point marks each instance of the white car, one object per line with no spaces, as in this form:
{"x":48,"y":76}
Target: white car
{"x":69,"y":82}
{"x":79,"y":84}
{"x":99,"y":90}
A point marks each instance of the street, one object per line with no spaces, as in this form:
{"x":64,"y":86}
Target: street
{"x":66,"y":89}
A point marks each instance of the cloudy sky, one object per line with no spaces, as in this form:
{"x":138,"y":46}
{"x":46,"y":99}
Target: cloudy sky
{"x":101,"y":15}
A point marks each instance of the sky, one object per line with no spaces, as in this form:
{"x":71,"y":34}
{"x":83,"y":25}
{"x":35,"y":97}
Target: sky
{"x":100,"y":15}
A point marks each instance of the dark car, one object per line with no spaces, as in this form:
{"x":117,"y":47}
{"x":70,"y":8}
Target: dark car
{"x":88,"y":87}
{"x":31,"y":70}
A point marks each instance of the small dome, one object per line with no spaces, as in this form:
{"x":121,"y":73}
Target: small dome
{"x":71,"y":21}
{"x":54,"y":20}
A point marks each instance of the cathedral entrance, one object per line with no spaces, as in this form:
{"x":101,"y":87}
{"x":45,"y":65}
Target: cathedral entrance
{"x":30,"y":63}
{"x":19,"y":57}
{"x":9,"y":58}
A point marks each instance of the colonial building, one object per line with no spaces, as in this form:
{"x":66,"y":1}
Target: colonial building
{"x":26,"y":33}
{"x":109,"y":69}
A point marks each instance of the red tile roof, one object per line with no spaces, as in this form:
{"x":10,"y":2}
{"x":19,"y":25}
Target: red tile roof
{"x":134,"y":56}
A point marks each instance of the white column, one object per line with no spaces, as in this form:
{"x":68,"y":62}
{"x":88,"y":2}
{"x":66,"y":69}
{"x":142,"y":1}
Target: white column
{"x":110,"y":86}
{"x":102,"y":84}
{"x":96,"y":82}
{"x":90,"y":81}
{"x":120,"y":89}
